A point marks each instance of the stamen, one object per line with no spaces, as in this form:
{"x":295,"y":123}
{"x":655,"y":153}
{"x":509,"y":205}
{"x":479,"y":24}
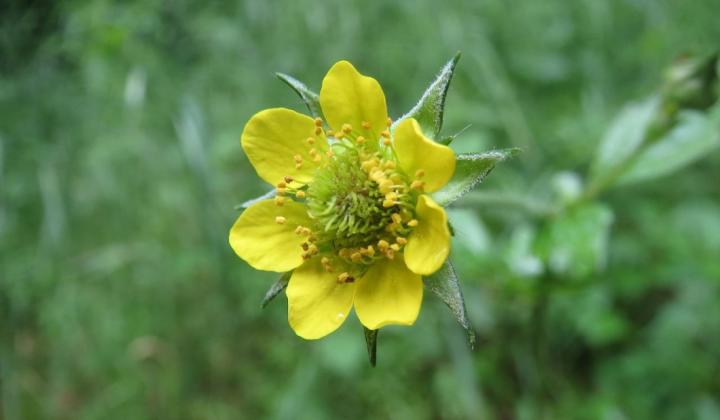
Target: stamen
{"x":279,"y":201}
{"x":417,"y":185}
{"x":300,"y":194}
{"x":389,"y":121}
{"x":318,"y":131}
{"x":318,"y":122}
{"x":385,"y":133}
{"x":419,"y":173}
{"x":366,"y":125}
{"x":280,"y":220}
{"x":356,"y":257}
{"x":360,"y":140}
{"x":288,"y":179}
{"x":281,"y":184}
{"x":395,"y":247}
{"x":412,"y":223}
{"x":383,"y":245}
{"x":310,"y":141}
{"x":330,"y":133}
{"x":347,"y":128}
{"x":400,"y":240}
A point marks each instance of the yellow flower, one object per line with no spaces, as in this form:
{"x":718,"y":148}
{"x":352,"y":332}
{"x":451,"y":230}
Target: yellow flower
{"x":351,"y":218}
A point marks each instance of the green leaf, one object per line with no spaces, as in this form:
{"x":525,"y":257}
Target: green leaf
{"x":246,"y":204}
{"x":470,"y":170}
{"x":276,"y":288}
{"x":625,"y":136}
{"x":695,"y":135}
{"x":445,"y":284}
{"x":311,"y":99}
{"x":371,"y":341}
{"x":429,"y":110}
{"x":575,"y":243}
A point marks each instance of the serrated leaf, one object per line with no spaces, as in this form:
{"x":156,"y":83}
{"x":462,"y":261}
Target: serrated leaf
{"x":276,"y":288}
{"x":470,"y":170}
{"x":693,"y":137}
{"x":371,"y":341}
{"x":444,"y":284}
{"x":626,"y":134}
{"x":310,"y":98}
{"x":246,"y":204}
{"x":430,"y":108}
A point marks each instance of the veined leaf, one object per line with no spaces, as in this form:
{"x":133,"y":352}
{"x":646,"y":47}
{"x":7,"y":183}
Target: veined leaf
{"x":444,"y":283}
{"x":470,"y":170}
{"x":371,"y":341}
{"x":310,"y":98}
{"x":246,"y":204}
{"x":625,"y":136}
{"x":429,"y":110}
{"x":695,"y":135}
{"x":276,"y":288}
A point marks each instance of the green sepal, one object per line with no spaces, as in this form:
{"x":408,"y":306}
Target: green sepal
{"x":470,"y":170}
{"x":371,"y":341}
{"x":445,"y":284}
{"x":429,"y":110}
{"x":310,"y":98}
{"x":248,"y":203}
{"x":276,"y":288}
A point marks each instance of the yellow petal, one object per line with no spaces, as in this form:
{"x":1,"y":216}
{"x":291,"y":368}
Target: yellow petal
{"x":387,"y":294}
{"x":262,"y":242}
{"x":348,"y":97}
{"x":317,"y":304}
{"x":415,"y":151}
{"x":274,"y":137}
{"x":429,"y":243}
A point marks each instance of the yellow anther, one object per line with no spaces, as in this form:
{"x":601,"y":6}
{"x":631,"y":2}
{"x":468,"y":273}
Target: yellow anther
{"x":330,"y":153}
{"x":300,"y":194}
{"x":400,"y":240}
{"x":281,"y":184}
{"x":299,"y":230}
{"x":304,"y":246}
{"x":360,"y":140}
{"x":347,"y":128}
{"x":387,"y":142}
{"x":390,"y":164}
{"x":312,"y":152}
{"x":313,"y":249}
{"x":345,"y":253}
{"x":310,"y":140}
{"x":390,"y":254}
{"x":306,"y":255}
{"x":395,"y":247}
{"x":281,"y":191}
{"x":279,"y":201}
{"x":312,"y":239}
{"x":298,"y":158}
{"x":389,"y":121}
{"x":419,"y":173}
{"x":366,"y":125}
{"x":370,"y":251}
{"x":396,"y":218}
{"x":391,"y":196}
{"x":342,"y":277}
{"x":325,"y":260}
{"x":340,"y":135}
{"x":288,"y":179}
{"x":330,"y":133}
{"x":306,"y":231}
{"x":328,"y":268}
{"x":385,"y":186}
{"x":317,"y":158}
{"x":280,"y":220}
{"x":412,"y":223}
{"x":417,"y":185}
{"x":396,"y":178}
{"x":383,"y":245}
{"x":356,"y":257}
{"x":318,"y":131}
{"x":298,"y":165}
{"x":388,"y":203}
{"x":318,"y":122}
{"x":385,"y":133}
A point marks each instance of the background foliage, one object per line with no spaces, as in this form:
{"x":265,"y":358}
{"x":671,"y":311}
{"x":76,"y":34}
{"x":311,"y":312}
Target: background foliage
{"x":120,"y":167}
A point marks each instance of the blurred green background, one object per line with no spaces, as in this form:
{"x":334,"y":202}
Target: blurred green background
{"x":120,"y":167}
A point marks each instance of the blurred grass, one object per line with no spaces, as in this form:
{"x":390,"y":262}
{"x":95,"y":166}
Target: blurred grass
{"x":120,"y":166}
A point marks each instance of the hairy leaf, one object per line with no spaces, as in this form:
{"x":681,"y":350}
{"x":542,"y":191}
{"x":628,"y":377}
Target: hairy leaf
{"x":429,"y":110}
{"x":311,"y":99}
{"x":445,"y":284}
{"x":470,"y":170}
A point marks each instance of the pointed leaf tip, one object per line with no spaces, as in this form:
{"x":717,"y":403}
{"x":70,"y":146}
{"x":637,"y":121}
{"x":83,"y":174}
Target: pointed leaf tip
{"x":310,"y":98}
{"x":445,"y":284}
{"x":430,"y":108}
{"x":276,"y":288}
{"x":470,"y":170}
{"x":371,"y":341}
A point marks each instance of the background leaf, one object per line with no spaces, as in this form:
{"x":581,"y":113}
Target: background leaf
{"x":695,"y":135}
{"x":470,"y":170}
